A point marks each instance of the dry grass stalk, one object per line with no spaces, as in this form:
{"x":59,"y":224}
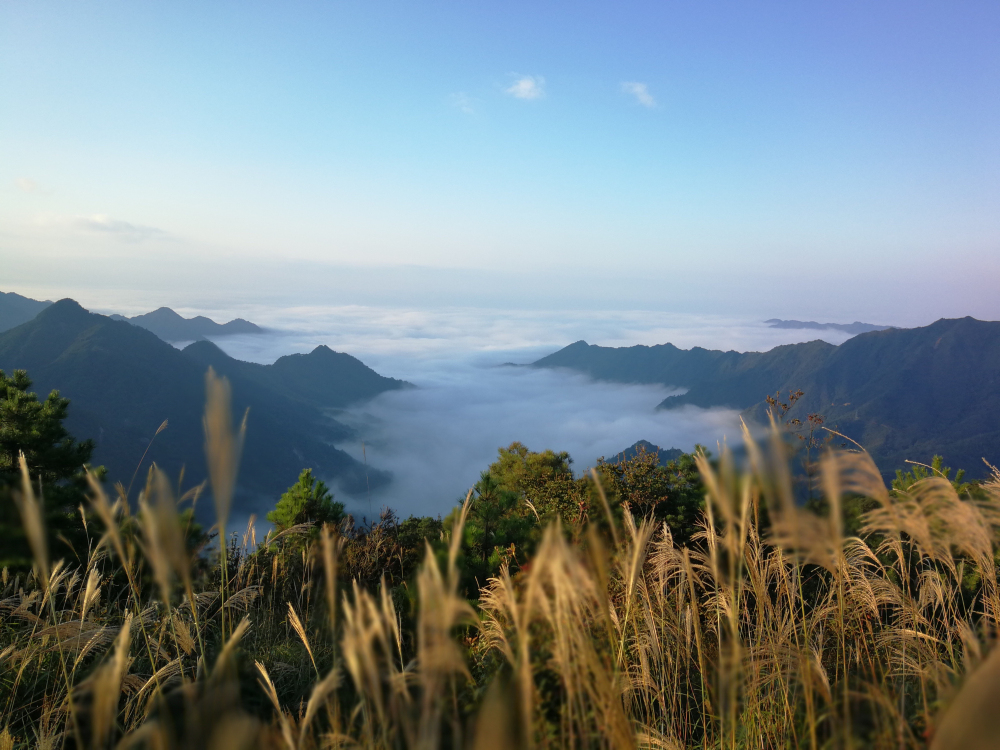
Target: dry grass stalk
{"x":774,"y":628}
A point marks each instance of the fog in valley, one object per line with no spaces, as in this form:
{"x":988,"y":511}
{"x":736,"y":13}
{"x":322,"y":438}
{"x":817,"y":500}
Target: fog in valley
{"x":469,"y":400}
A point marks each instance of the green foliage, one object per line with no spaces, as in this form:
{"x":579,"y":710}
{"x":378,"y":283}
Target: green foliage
{"x":618,"y":643}
{"x":523,"y":490}
{"x":673,"y":493}
{"x":544,"y":479}
{"x":124,"y":382}
{"x":905,"y":480}
{"x":413,"y":535}
{"x":520,"y":492}
{"x":36,"y":429}
{"x":521,"y":470}
{"x":499,"y":529}
{"x":307,"y":501}
{"x":56,"y":461}
{"x":899,"y":392}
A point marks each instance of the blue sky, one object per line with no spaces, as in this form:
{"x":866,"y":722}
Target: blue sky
{"x":837,"y":158}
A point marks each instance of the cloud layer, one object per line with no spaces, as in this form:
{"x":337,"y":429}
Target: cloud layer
{"x":641,"y":93}
{"x":121,"y":229}
{"x":527,"y":87}
{"x":438,"y":437}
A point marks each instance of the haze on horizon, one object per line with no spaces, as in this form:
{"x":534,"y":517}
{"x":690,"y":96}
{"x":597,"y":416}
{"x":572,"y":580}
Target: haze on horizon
{"x":838,"y":162}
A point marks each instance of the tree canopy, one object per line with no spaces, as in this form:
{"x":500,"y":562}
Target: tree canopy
{"x":36,"y":429}
{"x":56,"y":461}
{"x":309,"y":500}
{"x":672,"y":493}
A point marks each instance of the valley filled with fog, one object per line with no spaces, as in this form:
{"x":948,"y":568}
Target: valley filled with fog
{"x":469,"y":400}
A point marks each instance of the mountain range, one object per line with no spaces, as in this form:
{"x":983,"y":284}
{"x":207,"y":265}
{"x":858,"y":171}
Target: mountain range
{"x":164,"y":322}
{"x":15,"y":309}
{"x":901,"y":393}
{"x":170,"y":326}
{"x":851,"y":328}
{"x":123,"y":382}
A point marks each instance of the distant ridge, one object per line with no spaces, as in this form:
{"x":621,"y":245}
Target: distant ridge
{"x":665,"y":455}
{"x":164,"y":322}
{"x":15,"y":309}
{"x":170,"y":326}
{"x":322,"y":377}
{"x":123,"y":381}
{"x":853,"y":328}
{"x":902,"y":393}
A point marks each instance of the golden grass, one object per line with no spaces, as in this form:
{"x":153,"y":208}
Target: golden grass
{"x":773,"y":629}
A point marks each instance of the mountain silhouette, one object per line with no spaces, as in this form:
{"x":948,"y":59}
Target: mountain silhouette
{"x":323,"y":377}
{"x":852,"y":328}
{"x":904,"y":394}
{"x":170,"y":326}
{"x":664,"y":455}
{"x":123,"y":382}
{"x":15,"y":309}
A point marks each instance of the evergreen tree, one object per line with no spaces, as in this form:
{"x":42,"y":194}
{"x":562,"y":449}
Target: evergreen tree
{"x":499,"y":529}
{"x":309,"y":500}
{"x":36,"y":429}
{"x":56,"y":462}
{"x":672,"y":493}
{"x":544,"y":479}
{"x":905,"y":480}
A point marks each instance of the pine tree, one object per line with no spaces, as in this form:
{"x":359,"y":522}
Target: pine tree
{"x":56,"y":463}
{"x":307,"y":501}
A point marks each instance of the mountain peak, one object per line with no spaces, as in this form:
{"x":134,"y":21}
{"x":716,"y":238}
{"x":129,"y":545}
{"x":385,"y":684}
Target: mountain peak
{"x":171,"y":326}
{"x":15,"y":309}
{"x":66,"y":303}
{"x":204,"y":346}
{"x":162,"y":313}
{"x":664,"y":455}
{"x":65,"y":309}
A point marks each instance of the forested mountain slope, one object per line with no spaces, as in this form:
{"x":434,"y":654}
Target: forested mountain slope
{"x":123,"y":382}
{"x":902,"y":393}
{"x":15,"y":309}
{"x":323,"y":377}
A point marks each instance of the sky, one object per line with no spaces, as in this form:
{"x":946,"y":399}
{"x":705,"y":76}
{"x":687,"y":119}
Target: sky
{"x":836,"y":160}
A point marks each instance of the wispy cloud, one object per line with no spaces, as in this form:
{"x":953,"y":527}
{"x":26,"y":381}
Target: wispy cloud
{"x":463,"y":102}
{"x":27,"y":185}
{"x":527,"y":87}
{"x":122,"y":229}
{"x":640,"y":91}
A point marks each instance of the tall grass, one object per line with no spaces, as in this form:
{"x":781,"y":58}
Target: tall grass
{"x":772,"y":629}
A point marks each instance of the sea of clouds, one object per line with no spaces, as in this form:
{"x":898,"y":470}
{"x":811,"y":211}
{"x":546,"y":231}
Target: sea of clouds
{"x":437,"y":438}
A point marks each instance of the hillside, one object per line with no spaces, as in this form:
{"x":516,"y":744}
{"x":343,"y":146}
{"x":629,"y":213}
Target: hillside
{"x":665,"y":455}
{"x":15,"y":309}
{"x":323,"y":377}
{"x":902,"y":393}
{"x":123,"y":382}
{"x":170,"y":326}
{"x":752,"y":372}
{"x":164,"y":322}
